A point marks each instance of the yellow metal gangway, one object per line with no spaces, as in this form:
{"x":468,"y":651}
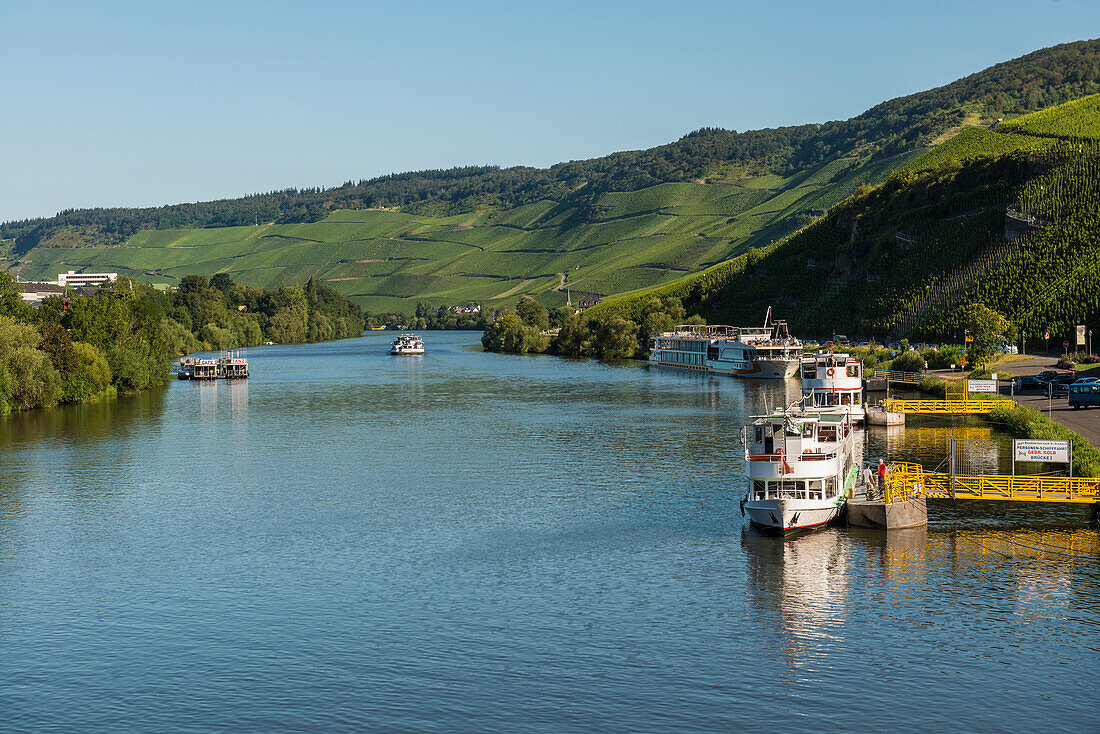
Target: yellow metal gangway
{"x":957,"y":401}
{"x":948,"y":407}
{"x":910,"y":481}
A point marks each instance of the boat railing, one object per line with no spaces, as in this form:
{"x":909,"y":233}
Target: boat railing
{"x":807,"y":455}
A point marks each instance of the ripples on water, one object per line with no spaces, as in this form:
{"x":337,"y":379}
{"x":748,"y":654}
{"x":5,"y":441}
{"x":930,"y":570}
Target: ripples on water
{"x":471,"y":542}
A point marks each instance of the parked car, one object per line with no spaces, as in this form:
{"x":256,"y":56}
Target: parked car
{"x":1059,"y":384}
{"x":1086,"y":381}
{"x":1048,"y":375}
{"x":1030,"y":383}
{"x":1084,"y":394}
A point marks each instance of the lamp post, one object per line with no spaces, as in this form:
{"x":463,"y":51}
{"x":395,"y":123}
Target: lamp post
{"x":1090,"y":341}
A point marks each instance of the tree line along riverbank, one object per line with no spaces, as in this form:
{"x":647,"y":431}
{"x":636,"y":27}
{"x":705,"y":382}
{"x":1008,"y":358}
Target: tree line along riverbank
{"x":124,"y":337}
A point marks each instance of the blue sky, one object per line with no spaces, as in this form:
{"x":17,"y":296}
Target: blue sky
{"x":140,"y":104}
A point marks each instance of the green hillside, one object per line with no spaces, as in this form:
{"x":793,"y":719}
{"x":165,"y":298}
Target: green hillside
{"x":388,"y":260}
{"x":995,"y":217}
{"x":1079,"y":119}
{"x":627,"y":221}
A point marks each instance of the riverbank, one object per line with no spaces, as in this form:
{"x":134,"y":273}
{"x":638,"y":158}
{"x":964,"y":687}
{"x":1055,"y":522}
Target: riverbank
{"x":123,"y":337}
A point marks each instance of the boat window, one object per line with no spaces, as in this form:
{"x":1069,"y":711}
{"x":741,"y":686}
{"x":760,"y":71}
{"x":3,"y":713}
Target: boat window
{"x":845,"y":399}
{"x":853,"y":370}
{"x":759,"y":489}
{"x":830,"y":487}
{"x":809,"y":371}
{"x":807,"y":430}
{"x":814,"y":489}
{"x":793,"y":490}
{"x":759,"y":434}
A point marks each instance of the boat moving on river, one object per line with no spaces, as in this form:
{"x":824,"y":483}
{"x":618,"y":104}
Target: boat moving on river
{"x":768,"y":352}
{"x":801,"y":468}
{"x":407,"y":344}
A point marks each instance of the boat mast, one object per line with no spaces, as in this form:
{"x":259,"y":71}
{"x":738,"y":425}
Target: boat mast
{"x":767,"y":317}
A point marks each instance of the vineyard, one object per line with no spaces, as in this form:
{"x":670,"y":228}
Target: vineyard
{"x":1076,"y":120}
{"x":991,"y":216}
{"x":388,"y":260}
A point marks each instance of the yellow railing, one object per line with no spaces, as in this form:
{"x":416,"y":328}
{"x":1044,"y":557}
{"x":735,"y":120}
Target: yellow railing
{"x":946,"y":407}
{"x":910,"y":481}
{"x":904,"y":482}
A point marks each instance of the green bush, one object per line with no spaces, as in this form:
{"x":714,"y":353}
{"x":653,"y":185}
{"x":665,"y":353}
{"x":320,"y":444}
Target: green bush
{"x":510,"y":334}
{"x":134,"y":367}
{"x":91,"y":377}
{"x":1024,"y":421}
{"x":909,"y":361}
{"x":34,"y":380}
{"x":933,"y":386}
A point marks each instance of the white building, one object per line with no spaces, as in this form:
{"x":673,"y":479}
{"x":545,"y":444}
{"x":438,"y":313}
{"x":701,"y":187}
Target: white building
{"x":77,"y":280}
{"x":34,"y":293}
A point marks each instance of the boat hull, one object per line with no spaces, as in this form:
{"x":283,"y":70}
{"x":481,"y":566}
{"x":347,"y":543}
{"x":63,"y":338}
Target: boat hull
{"x":789,"y":516}
{"x":770,"y":370}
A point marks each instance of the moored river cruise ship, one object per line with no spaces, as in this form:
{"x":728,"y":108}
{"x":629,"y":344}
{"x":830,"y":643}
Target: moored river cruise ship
{"x":833,"y":382}
{"x":801,"y":468}
{"x":768,"y":352}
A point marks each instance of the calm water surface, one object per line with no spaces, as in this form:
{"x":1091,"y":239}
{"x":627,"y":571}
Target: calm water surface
{"x":471,"y":542}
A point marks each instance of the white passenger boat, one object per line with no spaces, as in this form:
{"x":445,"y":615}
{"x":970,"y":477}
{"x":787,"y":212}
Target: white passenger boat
{"x":768,"y":352}
{"x":801,"y":467}
{"x":833,"y":382}
{"x":407,"y":344}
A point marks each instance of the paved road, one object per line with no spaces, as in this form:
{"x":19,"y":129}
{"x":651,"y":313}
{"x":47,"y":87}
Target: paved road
{"x":1085,"y":421}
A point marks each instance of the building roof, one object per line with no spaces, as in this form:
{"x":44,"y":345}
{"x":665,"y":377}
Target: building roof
{"x":40,"y":288}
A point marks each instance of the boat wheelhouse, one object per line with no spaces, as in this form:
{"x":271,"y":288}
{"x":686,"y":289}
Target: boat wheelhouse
{"x":801,"y":467}
{"x":740,"y":351}
{"x":833,"y":382}
{"x":407,"y":344}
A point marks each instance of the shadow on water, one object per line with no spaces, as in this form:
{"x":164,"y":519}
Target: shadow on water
{"x":122,"y":416}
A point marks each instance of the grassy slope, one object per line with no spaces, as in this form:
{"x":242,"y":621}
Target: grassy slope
{"x":953,"y":199}
{"x":387,"y":260}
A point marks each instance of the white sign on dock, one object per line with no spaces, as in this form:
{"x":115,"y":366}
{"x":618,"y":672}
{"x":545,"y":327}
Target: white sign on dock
{"x":1025,"y":449}
{"x":981,"y":385}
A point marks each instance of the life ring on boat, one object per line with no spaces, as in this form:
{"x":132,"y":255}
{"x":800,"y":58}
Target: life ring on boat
{"x":830,"y":372}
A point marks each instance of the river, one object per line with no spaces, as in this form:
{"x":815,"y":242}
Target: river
{"x":467,"y":542}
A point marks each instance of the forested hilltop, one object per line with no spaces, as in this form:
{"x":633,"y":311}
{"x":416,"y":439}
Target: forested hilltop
{"x":124,"y":337}
{"x":1008,"y":218}
{"x":590,"y":228}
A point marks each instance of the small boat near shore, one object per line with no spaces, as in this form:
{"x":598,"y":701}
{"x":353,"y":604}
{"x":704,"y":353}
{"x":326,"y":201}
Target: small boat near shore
{"x":801,"y":467}
{"x":232,"y":366}
{"x":407,"y":344}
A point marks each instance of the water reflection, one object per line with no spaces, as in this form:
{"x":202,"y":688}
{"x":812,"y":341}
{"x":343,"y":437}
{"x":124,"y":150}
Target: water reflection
{"x":804,"y":579}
